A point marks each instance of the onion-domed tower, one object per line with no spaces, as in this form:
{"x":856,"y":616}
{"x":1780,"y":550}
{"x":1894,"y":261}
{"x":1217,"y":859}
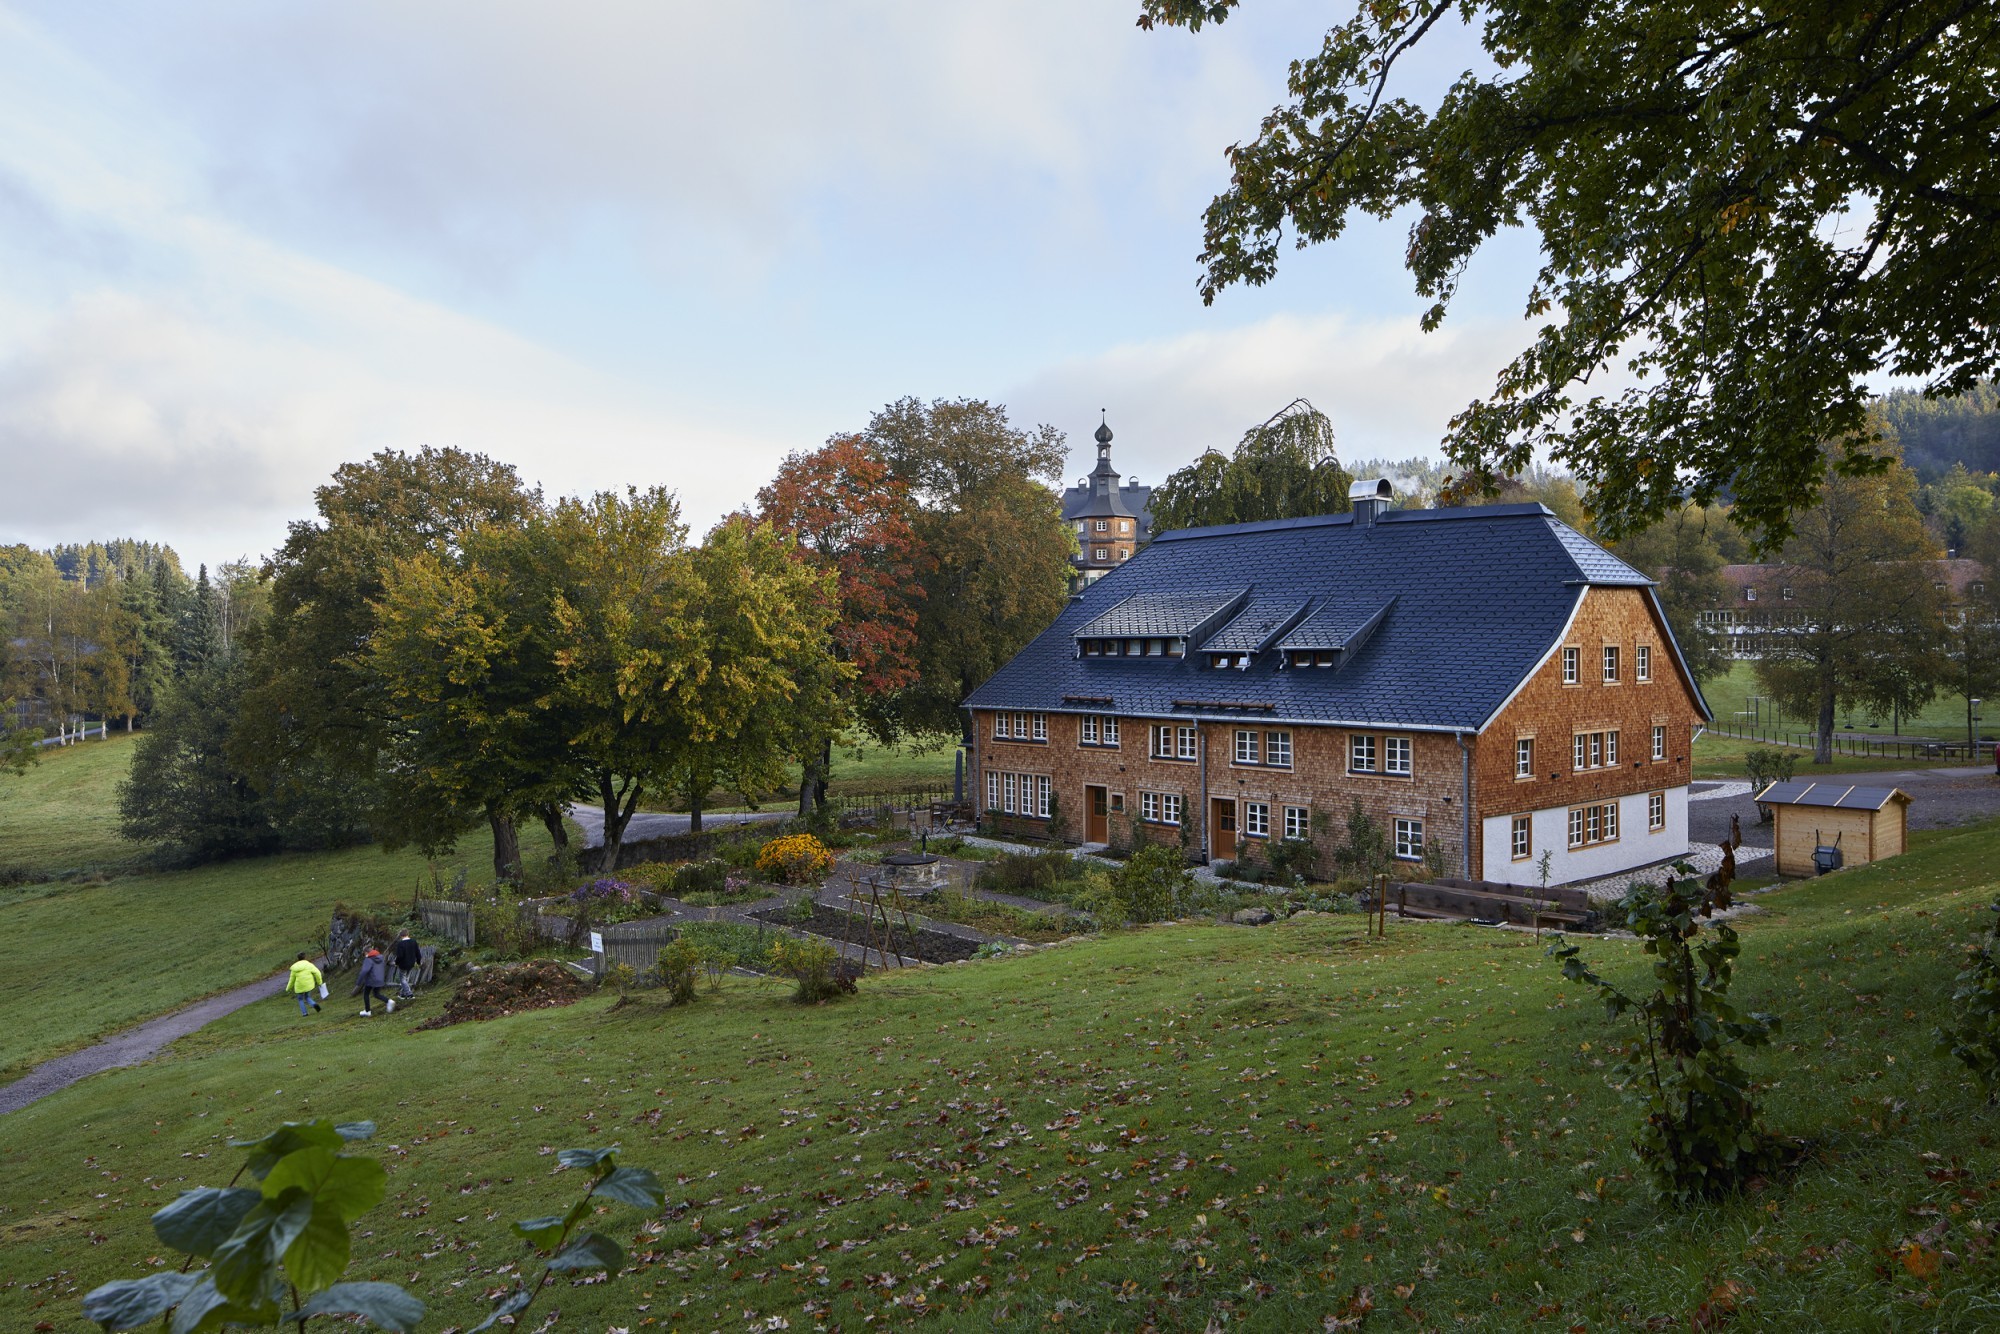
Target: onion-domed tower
{"x":1110,"y":520}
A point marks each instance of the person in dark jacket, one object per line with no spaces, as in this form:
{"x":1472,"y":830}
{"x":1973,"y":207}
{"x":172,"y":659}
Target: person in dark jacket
{"x":408,"y":957}
{"x":374,"y":976}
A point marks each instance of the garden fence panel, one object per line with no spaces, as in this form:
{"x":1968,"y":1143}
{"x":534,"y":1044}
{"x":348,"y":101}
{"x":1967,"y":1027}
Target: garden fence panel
{"x":446,"y":918}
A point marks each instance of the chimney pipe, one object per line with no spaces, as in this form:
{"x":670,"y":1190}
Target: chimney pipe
{"x":1369,"y":499}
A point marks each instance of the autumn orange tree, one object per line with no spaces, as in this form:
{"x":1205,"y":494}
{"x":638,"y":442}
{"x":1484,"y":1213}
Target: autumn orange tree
{"x":850,"y":516}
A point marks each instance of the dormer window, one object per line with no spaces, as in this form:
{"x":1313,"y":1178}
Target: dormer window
{"x":1785,"y":593}
{"x":1749,"y":595}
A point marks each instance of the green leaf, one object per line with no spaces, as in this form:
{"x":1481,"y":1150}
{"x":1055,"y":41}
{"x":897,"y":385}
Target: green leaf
{"x":383,"y":1305}
{"x":132,"y":1302}
{"x":286,"y":1139}
{"x":205,"y":1310}
{"x":632,"y":1185}
{"x":585,"y":1157}
{"x":541,"y":1233}
{"x":200,"y":1220}
{"x":593,"y":1250}
{"x":514,"y":1303}
{"x":318,"y":1256}
{"x":350,"y":1186}
{"x":244,"y":1264}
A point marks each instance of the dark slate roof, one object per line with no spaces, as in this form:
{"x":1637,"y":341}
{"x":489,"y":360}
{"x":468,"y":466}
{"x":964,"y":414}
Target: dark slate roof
{"x":1838,"y":795}
{"x":1480,"y":597}
{"x":1173,"y":612}
{"x":1339,"y":621}
{"x":1258,"y":625}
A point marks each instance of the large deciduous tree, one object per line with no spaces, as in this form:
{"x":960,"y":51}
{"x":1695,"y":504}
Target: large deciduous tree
{"x":1755,"y":207}
{"x":1284,"y":468}
{"x":314,"y":705}
{"x":1866,"y":619}
{"x":997,"y":567}
{"x":1680,"y":552}
{"x":850,"y":515}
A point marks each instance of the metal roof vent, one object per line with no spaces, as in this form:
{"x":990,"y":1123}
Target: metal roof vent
{"x":1369,"y":499}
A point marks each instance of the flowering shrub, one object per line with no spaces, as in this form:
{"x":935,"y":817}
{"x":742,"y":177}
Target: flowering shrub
{"x":795,"y":859}
{"x":605,"y":891}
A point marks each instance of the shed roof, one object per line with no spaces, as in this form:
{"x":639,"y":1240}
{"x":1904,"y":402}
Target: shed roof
{"x":1841,"y":795}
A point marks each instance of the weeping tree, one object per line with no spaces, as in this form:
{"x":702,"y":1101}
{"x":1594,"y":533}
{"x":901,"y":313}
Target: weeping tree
{"x":1285,"y":467}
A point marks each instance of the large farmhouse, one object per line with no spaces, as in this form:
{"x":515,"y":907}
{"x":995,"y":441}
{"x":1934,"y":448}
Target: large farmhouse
{"x":1490,"y":686}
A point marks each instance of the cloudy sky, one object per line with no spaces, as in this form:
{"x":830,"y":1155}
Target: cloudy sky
{"x":645,"y":241}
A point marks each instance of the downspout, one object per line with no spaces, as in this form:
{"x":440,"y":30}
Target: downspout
{"x":1465,"y":763}
{"x":1201,"y":783}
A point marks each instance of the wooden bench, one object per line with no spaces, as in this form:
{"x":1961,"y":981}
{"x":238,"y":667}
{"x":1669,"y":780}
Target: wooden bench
{"x":1486,"y":901}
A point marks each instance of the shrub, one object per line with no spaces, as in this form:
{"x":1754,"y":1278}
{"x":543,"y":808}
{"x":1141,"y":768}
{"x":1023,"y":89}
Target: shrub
{"x":1290,"y":860}
{"x":1151,"y":885}
{"x":814,"y":965}
{"x":731,"y":944}
{"x":679,"y":964}
{"x":1974,"y":1033}
{"x":501,"y":930}
{"x":1702,"y":1135}
{"x":1764,"y":767}
{"x":1029,"y":874}
{"x":705,"y":876}
{"x":795,"y":859}
{"x":1366,"y":851}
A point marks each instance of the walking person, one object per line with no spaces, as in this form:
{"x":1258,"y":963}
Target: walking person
{"x":408,"y":957}
{"x":304,"y":980}
{"x":374,"y":976}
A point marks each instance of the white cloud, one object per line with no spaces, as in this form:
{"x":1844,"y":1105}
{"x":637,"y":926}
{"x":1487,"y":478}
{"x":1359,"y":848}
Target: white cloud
{"x":1388,"y":388}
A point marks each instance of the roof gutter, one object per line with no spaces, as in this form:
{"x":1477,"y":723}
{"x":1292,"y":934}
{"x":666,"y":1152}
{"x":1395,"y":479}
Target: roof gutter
{"x":1465,"y":765}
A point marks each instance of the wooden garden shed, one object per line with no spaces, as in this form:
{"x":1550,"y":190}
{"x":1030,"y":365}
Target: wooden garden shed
{"x":1866,"y":823}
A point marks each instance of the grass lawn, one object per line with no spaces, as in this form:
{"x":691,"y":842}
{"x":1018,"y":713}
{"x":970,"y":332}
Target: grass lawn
{"x":1943,"y":719}
{"x":1722,"y":757}
{"x":857,"y":769}
{"x":1183,"y":1127}
{"x":62,"y":815}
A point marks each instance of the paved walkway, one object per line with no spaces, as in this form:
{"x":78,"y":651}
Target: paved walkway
{"x":131,"y":1046}
{"x":651,"y":824}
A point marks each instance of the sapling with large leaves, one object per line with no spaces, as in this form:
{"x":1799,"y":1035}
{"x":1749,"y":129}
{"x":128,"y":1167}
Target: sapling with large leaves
{"x":1973,"y":1035}
{"x":1702,"y":1136}
{"x":557,"y":1238}
{"x":276,"y":1250}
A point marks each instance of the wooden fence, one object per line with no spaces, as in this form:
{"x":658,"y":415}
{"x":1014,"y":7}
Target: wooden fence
{"x":637,"y":944}
{"x":447,"y":918}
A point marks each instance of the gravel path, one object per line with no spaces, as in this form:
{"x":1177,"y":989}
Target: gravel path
{"x":131,"y":1046}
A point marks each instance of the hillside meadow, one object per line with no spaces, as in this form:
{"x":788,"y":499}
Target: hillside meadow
{"x":1184,"y":1127}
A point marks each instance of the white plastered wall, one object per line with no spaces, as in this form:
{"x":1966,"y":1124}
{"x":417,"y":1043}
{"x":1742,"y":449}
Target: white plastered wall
{"x":1549,"y":830}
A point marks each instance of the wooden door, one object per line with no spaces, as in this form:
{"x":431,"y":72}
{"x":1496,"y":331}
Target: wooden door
{"x":1222,"y":830}
{"x":1097,"y":815}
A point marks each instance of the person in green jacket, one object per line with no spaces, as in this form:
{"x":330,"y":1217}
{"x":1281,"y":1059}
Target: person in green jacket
{"x":303,"y":982}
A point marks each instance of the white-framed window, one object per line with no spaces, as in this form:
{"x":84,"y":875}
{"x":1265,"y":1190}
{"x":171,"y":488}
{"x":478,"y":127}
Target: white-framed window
{"x":1278,"y":749}
{"x":1361,"y":754}
{"x":1521,"y":837}
{"x":1102,"y":553}
{"x":1170,"y":808}
{"x":1087,"y":733}
{"x":1642,"y":662}
{"x":1593,"y":824}
{"x":1611,"y":664}
{"x":1041,"y":726}
{"x":1582,"y":758}
{"x":1248,"y":749}
{"x":1186,"y":740}
{"x":1610,"y":748}
{"x":1257,"y":819}
{"x":1110,"y":731}
{"x":1298,"y":821}
{"x":1572,"y":664}
{"x":1042,"y":795}
{"x":1104,"y":525}
{"x":1659,"y":743}
{"x":1021,"y":727}
{"x":992,"y":790}
{"x":1163,"y":740}
{"x":1656,"y":811}
{"x":1149,"y":807}
{"x":1395,"y":755}
{"x":1597,"y":750}
{"x":1524,"y":757}
{"x":1409,"y":840}
{"x":1007,"y":784}
{"x":999,"y":727}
